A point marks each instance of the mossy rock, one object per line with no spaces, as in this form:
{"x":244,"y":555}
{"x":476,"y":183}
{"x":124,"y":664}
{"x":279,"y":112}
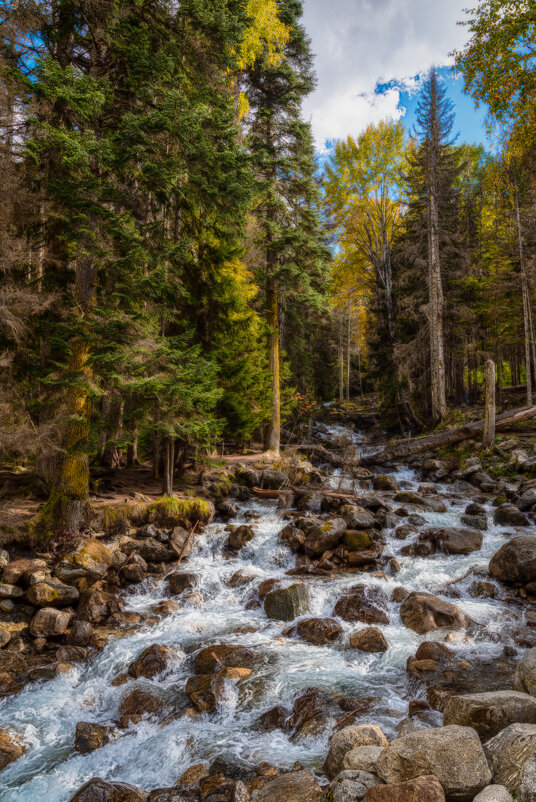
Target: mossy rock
{"x":118,"y":520}
{"x":88,"y":560}
{"x":357,"y":540}
{"x":171,"y":512}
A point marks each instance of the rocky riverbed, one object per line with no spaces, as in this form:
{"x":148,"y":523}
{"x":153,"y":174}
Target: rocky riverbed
{"x":307,"y":647}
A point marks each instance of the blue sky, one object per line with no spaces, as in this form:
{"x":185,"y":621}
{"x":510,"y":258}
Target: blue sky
{"x":369,"y":56}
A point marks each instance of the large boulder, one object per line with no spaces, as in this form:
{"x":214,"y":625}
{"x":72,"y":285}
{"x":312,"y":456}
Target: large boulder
{"x":508,"y":752}
{"x":525,"y":676}
{"x":48,"y":622}
{"x":515,"y":562}
{"x":52,"y":593}
{"x":489,"y":713}
{"x":286,"y":604}
{"x":89,"y":560}
{"x":430,"y":503}
{"x":423,"y":789}
{"x":423,"y":612}
{"x":240,"y":536}
{"x":298,"y":786}
{"x":10,"y":749}
{"x":363,"y":603}
{"x":349,"y":786}
{"x":362,"y":758}
{"x":97,"y":790}
{"x":273,"y":480}
{"x":457,"y":540}
{"x":527,"y":782}
{"x":385,"y":482}
{"x":509,"y":515}
{"x":323,"y":536}
{"x":452,"y":754}
{"x":349,"y":738}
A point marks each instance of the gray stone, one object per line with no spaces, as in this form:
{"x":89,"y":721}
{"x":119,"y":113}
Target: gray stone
{"x":494,"y":793}
{"x":525,"y":676}
{"x":515,"y":562}
{"x":507,"y":753}
{"x":347,"y":739}
{"x":362,"y":758}
{"x":489,"y":713}
{"x":349,"y":786}
{"x":527,"y":782}
{"x":452,"y":754}
{"x":286,"y":604}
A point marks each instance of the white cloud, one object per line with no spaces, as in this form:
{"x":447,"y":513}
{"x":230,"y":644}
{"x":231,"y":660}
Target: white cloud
{"x":360,"y":43}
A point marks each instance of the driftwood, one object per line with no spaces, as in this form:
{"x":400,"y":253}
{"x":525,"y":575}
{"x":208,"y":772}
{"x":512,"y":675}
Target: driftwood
{"x":353,"y":712}
{"x":300,"y":491}
{"x":416,"y":445}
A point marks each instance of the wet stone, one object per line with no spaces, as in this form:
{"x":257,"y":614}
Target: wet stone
{"x":90,"y":736}
{"x":286,"y":604}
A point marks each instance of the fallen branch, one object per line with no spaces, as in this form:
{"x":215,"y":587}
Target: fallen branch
{"x":299,"y":491}
{"x":417,"y":445}
{"x":349,"y":715}
{"x":190,"y":535}
{"x":455,"y":581}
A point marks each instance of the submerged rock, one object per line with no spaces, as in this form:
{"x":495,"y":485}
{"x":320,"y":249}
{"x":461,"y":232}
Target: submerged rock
{"x":240,"y":536}
{"x":205,"y":691}
{"x":151,"y":662}
{"x":137,"y":704}
{"x":452,"y":754}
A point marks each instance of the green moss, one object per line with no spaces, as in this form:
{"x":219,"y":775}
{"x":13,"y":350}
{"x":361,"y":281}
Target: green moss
{"x":168,"y":511}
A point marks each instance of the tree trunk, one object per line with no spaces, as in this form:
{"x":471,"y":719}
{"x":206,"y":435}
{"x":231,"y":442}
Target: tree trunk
{"x":169,"y":466}
{"x":111,"y":457}
{"x":526,"y":303}
{"x":489,"y":419}
{"x":435,"y":313}
{"x":157,"y":449}
{"x":341,"y":357}
{"x":132,"y":450}
{"x":418,"y":445}
{"x":348,"y":358}
{"x":273,"y":429}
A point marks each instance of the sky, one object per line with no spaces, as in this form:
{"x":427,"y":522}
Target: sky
{"x":370,"y":56}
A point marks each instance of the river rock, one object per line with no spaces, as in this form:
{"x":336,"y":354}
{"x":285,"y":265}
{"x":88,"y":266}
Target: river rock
{"x":371,"y":639}
{"x":90,"y":736}
{"x":219,"y":788}
{"x":431,"y":503}
{"x":18,"y":571}
{"x":97,"y":790}
{"x":363,"y":603}
{"x":240,"y":536}
{"x":357,"y":517}
{"x":508,"y":752}
{"x":489,"y":713}
{"x":298,"y":786}
{"x":80,"y":633}
{"x":509,"y":515}
{"x":318,"y":631}
{"x":457,"y":540}
{"x":205,"y":691}
{"x":527,"y":782}
{"x":52,"y":593}
{"x":286,"y":604}
{"x":167,"y":795}
{"x":452,"y":754}
{"x":357,"y":540}
{"x":272,"y":480}
{"x":525,"y":676}
{"x":135,"y":569}
{"x":423,"y":612}
{"x":5,"y":637}
{"x":10,"y":749}
{"x":362,"y":758}
{"x":89,"y":560}
{"x":494,"y":793}
{"x":526,"y":500}
{"x":210,"y":659}
{"x":423,"y":789}
{"x":151,"y":662}
{"x":293,"y":537}
{"x":515,"y":562}
{"x":136,"y":704}
{"x":48,"y":622}
{"x":179,"y":581}
{"x":385,"y":482}
{"x":344,"y":740}
{"x":323,"y":536}
{"x":349,"y":786}
{"x":10,"y":591}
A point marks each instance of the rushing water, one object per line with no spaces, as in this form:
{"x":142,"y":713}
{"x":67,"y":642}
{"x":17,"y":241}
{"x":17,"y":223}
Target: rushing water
{"x":152,"y":755}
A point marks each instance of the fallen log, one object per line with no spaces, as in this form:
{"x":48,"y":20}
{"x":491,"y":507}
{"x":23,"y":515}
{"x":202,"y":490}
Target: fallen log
{"x":332,"y":459}
{"x":300,"y":491}
{"x":416,"y":445}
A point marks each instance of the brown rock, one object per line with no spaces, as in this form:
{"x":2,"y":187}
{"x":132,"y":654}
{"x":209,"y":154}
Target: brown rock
{"x":275,"y":719}
{"x":212,"y":658}
{"x":423,"y":612}
{"x":286,"y":604}
{"x":89,"y":560}
{"x":97,"y":790}
{"x":5,"y":637}
{"x":48,"y":622}
{"x":193,"y":775}
{"x":369,"y":640}
{"x":71,"y":654}
{"x":150,"y":662}
{"x":362,"y":603}
{"x":90,"y":736}
{"x":432,"y":650}
{"x":80,"y":633}
{"x":240,"y":536}
{"x":318,"y":631}
{"x":10,"y":750}
{"x":457,"y":540}
{"x":515,"y":562}
{"x":489,"y":713}
{"x":348,"y":738}
{"x":137,"y":704}
{"x":52,"y":593}
{"x":298,"y":786}
{"x":179,"y":581}
{"x":205,"y":691}
{"x":423,"y":789}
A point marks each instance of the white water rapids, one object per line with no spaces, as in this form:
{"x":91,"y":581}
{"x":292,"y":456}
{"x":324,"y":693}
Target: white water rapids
{"x":152,"y":754}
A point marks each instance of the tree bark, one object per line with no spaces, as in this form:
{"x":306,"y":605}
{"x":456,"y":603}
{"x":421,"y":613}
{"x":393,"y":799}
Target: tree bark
{"x":273,"y":429}
{"x":489,"y":419}
{"x":526,"y":303}
{"x":435,"y":314}
{"x":348,"y":346}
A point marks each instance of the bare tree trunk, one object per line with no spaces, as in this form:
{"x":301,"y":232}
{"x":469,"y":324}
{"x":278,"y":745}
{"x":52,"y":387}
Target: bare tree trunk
{"x":111,"y":457}
{"x":132,"y":449}
{"x":489,"y":417}
{"x":348,"y":356}
{"x":341,"y":358}
{"x":526,"y":303}
{"x":157,"y":450}
{"x":435,"y":314}
{"x":169,"y":466}
{"x":273,"y":429}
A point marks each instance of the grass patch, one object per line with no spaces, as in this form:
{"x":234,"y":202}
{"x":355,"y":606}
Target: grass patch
{"x":168,"y":511}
